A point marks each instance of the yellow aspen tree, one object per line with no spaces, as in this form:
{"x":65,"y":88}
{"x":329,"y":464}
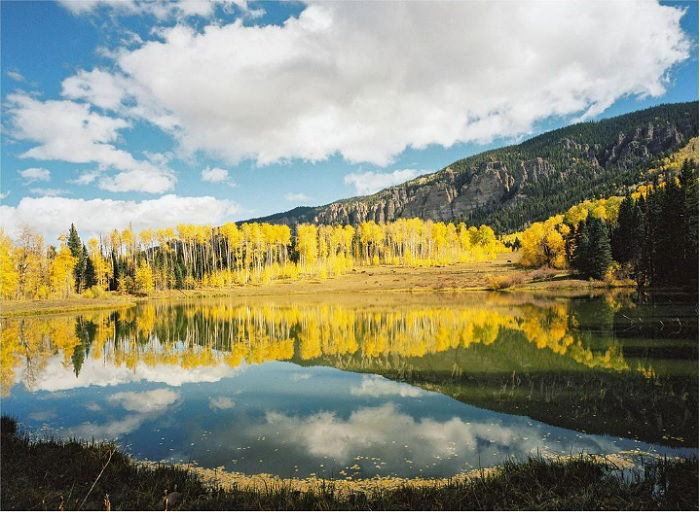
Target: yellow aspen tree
{"x":143,"y":279}
{"x":61,"y":276}
{"x":9,"y":276}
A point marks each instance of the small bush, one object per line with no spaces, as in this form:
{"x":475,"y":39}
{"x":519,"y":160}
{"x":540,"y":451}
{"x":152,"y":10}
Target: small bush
{"x":95,"y":292}
{"x":502,"y":282}
{"x":543,"y":273}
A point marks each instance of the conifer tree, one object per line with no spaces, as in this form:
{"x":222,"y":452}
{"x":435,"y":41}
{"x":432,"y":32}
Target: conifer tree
{"x":89,"y":276}
{"x":592,"y":254}
{"x":79,"y":252}
{"x":628,"y":234}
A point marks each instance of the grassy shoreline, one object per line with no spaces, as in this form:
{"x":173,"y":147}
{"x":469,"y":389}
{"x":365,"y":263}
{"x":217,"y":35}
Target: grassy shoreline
{"x":467,"y":277}
{"x":76,"y":475}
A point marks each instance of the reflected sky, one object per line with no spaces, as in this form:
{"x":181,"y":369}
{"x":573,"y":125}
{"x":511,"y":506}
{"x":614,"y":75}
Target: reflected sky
{"x":294,"y":421}
{"x":294,"y":389}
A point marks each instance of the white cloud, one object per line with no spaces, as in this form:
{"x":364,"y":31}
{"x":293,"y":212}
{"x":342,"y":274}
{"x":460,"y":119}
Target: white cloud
{"x":87,"y":177}
{"x":35,"y":174}
{"x":72,"y":132}
{"x":369,"y":79}
{"x":147,"y":180}
{"x":49,"y":215}
{"x":222,"y":403}
{"x":380,"y":387}
{"x":4,"y":195}
{"x":160,"y":9}
{"x":16,"y":76}
{"x":100,"y":88}
{"x":296,"y":197}
{"x":371,"y":182}
{"x":214,"y":175}
{"x":47,"y":192}
{"x":145,"y":402}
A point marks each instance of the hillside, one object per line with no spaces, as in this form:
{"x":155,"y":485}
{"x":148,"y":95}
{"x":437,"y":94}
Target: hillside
{"x":509,"y":187}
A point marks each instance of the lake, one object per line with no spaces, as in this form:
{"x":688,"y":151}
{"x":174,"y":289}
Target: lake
{"x":369,"y":385}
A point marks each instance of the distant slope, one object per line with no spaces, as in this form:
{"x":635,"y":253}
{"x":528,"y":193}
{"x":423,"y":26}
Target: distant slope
{"x":509,"y":187}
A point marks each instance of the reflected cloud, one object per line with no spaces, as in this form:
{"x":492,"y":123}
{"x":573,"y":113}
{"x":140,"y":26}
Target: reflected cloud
{"x":145,"y":402}
{"x":426,"y":441}
{"x":222,"y":403}
{"x":378,"y":386}
{"x":143,"y":406}
{"x":42,"y":416}
{"x":56,"y":376}
{"x":109,"y":430}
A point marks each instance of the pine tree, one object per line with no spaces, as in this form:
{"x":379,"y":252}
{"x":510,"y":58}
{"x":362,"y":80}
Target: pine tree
{"x":599,"y":253}
{"x":78,"y":251}
{"x":628,"y":235}
{"x":73,"y":242}
{"x":580,"y":253}
{"x":89,"y":276}
{"x":592,"y":254}
{"x":689,"y":187}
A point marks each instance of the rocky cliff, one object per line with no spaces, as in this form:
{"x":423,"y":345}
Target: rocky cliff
{"x":571,"y":163}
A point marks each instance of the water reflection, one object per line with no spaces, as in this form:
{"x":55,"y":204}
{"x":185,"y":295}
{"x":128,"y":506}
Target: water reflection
{"x":409,"y":385}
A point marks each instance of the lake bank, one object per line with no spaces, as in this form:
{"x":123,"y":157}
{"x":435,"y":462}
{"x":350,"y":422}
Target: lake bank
{"x":463,"y":277}
{"x":73,"y":475}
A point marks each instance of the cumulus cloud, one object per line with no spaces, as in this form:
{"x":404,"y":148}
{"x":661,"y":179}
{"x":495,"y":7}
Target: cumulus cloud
{"x":371,"y":182}
{"x":368,"y":80}
{"x":214,"y":175}
{"x":222,"y":403}
{"x":86,"y":177}
{"x":147,"y":180}
{"x":296,"y":197}
{"x":35,"y":174}
{"x":48,"y":192}
{"x":161,"y":9}
{"x":99,"y":216}
{"x":71,"y":131}
{"x":100,"y":88}
{"x":145,"y":402}
{"x":380,"y":387}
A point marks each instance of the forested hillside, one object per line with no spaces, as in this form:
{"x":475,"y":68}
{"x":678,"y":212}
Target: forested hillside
{"x":510,"y":187}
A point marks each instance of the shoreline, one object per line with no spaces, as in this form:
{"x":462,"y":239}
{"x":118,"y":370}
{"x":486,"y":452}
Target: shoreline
{"x":55,"y":474}
{"x":379,"y":279}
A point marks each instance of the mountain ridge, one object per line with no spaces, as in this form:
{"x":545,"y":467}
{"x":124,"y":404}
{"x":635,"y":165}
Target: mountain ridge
{"x":511,"y":186}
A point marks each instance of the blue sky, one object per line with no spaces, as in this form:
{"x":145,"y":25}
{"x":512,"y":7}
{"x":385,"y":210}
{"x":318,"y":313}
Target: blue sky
{"x":154,"y":113}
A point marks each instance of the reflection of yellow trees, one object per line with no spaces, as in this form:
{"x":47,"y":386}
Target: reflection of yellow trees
{"x":192,"y":336}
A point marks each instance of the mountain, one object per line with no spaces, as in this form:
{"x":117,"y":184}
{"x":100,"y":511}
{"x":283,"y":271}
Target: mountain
{"x":512,"y":186}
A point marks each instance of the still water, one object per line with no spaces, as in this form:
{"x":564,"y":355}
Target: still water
{"x":404,"y":385}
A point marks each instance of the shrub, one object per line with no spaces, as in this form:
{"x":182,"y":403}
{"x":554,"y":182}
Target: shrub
{"x":502,"y":282}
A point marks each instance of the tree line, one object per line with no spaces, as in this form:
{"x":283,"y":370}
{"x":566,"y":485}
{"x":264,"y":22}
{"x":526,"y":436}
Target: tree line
{"x":650,"y":236}
{"x":192,"y":256}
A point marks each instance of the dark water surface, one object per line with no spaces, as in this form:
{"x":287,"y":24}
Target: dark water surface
{"x":358,"y":386}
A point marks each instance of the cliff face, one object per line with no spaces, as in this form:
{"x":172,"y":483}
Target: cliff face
{"x":515,"y":175}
